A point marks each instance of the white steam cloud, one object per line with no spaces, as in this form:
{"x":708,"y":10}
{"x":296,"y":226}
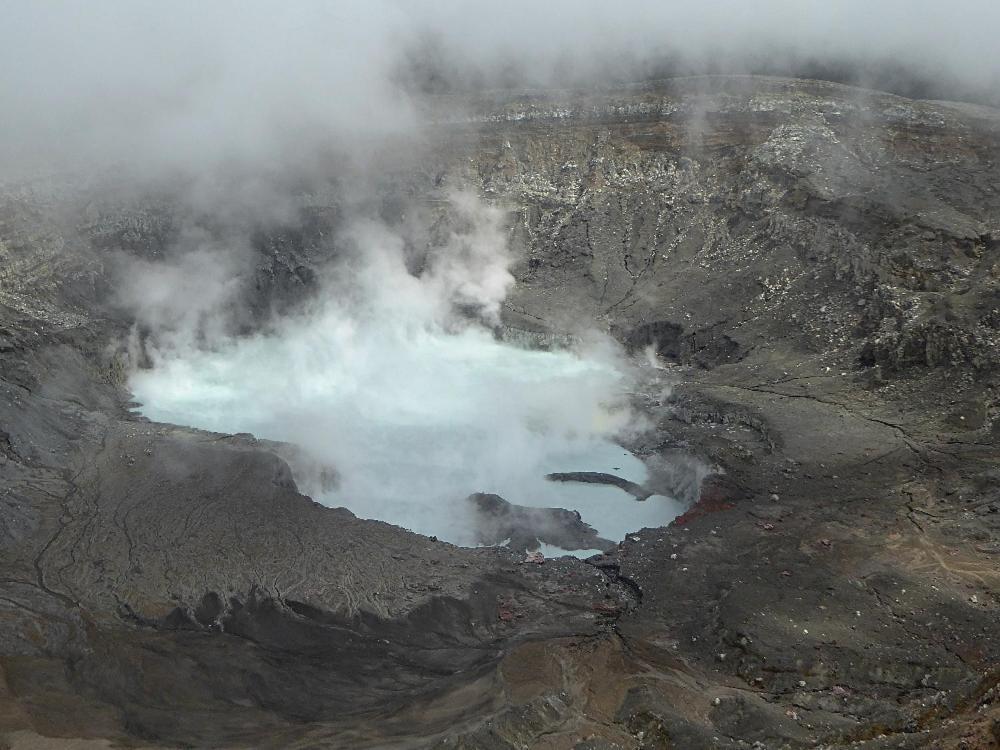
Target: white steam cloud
{"x":469,"y":271}
{"x":397,"y":383}
{"x":190,"y":300}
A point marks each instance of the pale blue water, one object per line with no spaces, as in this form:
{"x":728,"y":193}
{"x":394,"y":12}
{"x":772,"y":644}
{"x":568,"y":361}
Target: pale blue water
{"x":414,"y":419}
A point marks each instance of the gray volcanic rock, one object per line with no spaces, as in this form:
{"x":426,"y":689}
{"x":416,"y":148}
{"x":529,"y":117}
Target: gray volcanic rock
{"x":809,"y":272}
{"x":522,"y":529}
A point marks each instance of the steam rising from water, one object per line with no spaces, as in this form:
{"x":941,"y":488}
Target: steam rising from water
{"x":412,"y":406}
{"x":412,"y":418}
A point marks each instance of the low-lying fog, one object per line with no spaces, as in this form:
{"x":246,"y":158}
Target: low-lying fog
{"x":413,"y":406}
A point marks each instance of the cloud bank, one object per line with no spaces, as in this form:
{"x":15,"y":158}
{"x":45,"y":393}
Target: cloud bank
{"x":149,"y":86}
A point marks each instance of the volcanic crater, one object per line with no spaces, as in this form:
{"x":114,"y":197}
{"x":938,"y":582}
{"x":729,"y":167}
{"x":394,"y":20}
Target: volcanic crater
{"x":800,"y":280}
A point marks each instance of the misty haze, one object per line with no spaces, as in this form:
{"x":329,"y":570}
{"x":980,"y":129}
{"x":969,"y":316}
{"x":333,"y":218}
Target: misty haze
{"x":555,"y":375}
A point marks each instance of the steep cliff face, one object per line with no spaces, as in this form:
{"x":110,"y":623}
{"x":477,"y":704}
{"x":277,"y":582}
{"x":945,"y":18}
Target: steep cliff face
{"x":805,"y":216}
{"x":816,"y":268}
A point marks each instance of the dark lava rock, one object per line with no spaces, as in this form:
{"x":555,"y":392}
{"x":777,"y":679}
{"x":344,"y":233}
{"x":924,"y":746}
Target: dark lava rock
{"x":600,"y":477}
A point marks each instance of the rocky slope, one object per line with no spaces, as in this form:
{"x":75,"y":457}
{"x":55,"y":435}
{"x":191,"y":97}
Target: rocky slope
{"x":817,"y":270}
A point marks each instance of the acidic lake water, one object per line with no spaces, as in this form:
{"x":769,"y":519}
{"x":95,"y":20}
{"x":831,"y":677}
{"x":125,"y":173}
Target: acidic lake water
{"x":414,"y":419}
